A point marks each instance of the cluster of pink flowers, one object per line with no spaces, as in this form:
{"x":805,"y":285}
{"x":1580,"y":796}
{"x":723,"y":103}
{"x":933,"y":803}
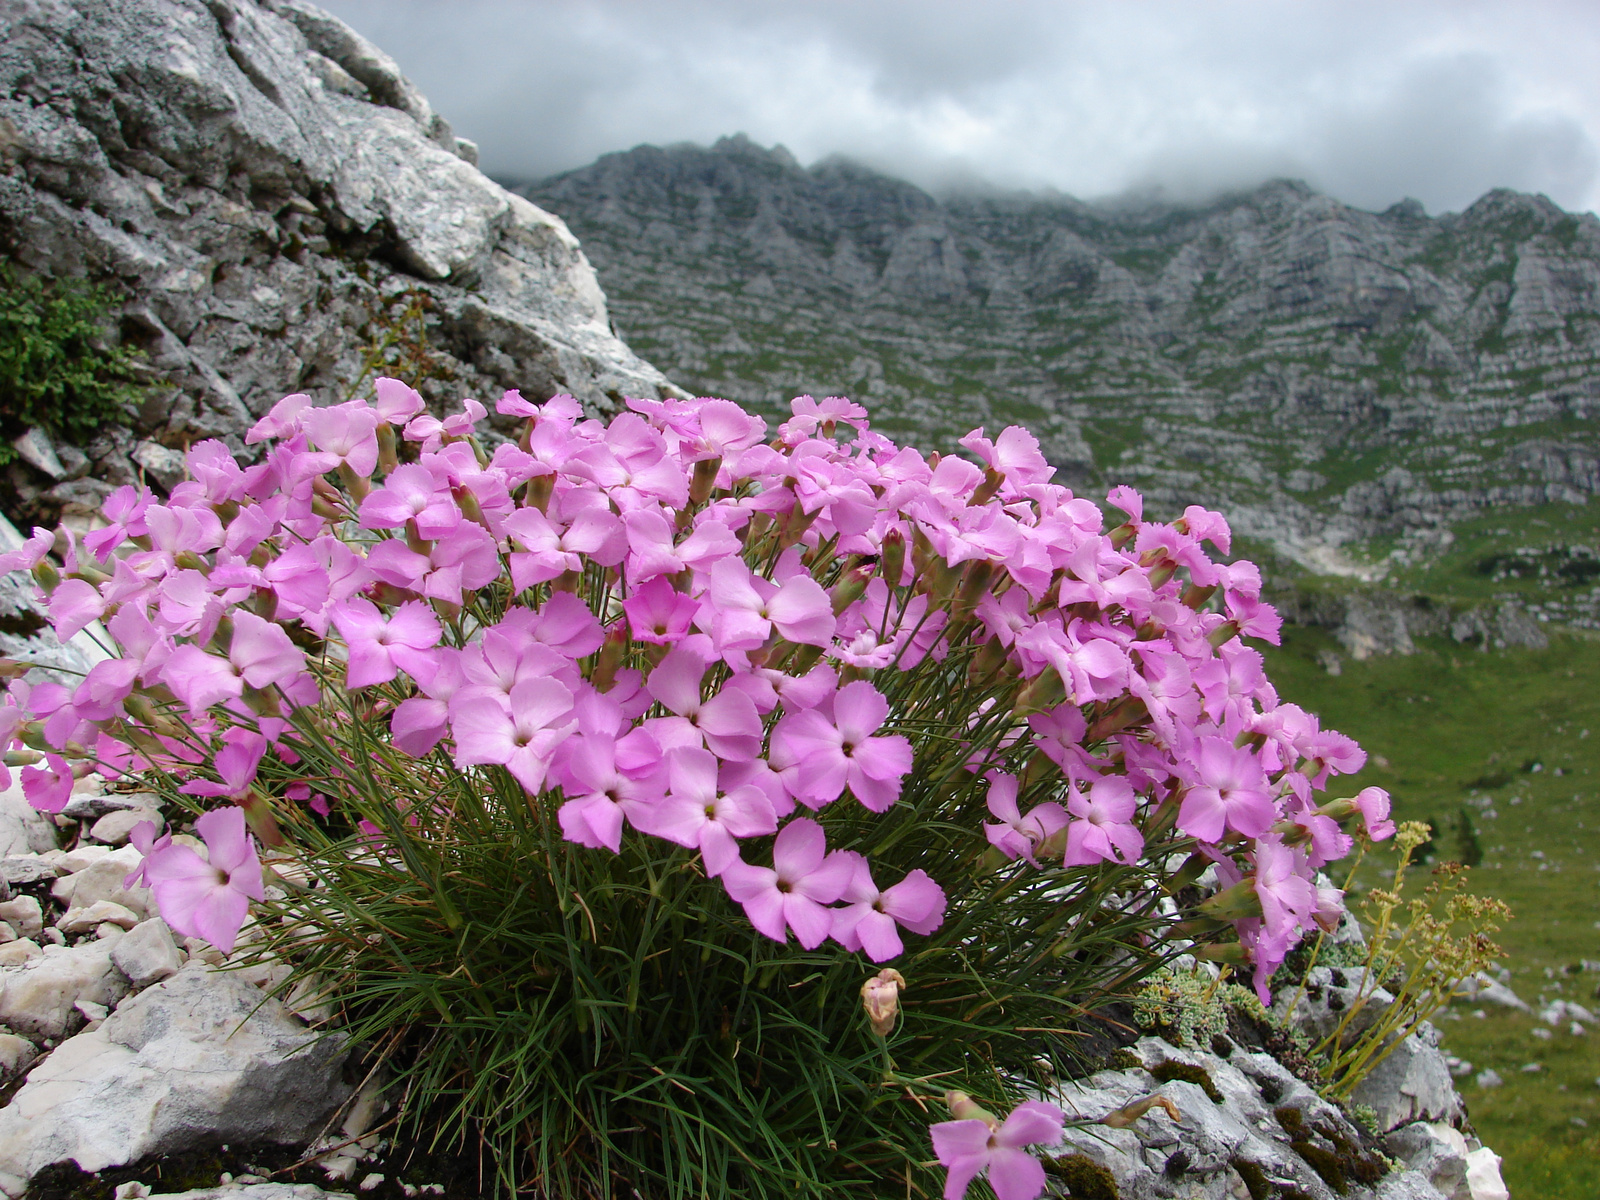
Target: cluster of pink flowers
{"x":679,"y":625}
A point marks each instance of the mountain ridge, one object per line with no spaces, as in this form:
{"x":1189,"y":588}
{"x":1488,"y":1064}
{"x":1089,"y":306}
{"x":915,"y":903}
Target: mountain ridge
{"x":1337,"y":380}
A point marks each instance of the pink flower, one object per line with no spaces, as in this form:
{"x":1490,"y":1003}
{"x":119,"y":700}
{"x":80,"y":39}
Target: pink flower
{"x":792,"y":893}
{"x":344,"y":434}
{"x":871,"y":921}
{"x":48,"y":789}
{"x":1014,"y":454}
{"x":1373,"y":805}
{"x":699,"y":813}
{"x":73,"y":605}
{"x":208,"y":899}
{"x":200,"y":679}
{"x":380,"y":647}
{"x":968,"y":1147}
{"x":1104,"y":831}
{"x":236,"y":764}
{"x":1018,"y":836}
{"x":520,"y":735}
{"x":411,"y":493}
{"x":747,"y":608}
{"x":283,"y":421}
{"x":834,"y":755}
{"x":1230,"y":792}
{"x":601,"y":792}
{"x":397,"y":402}
{"x":262,"y":652}
{"x":727,"y":723}
{"x":658,"y":613}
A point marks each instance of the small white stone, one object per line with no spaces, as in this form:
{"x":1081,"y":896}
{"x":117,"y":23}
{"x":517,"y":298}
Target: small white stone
{"x":132,"y":1190}
{"x":113,"y":828}
{"x":82,"y":920}
{"x":16,"y":1054}
{"x":24,"y":914}
{"x":1532,"y":1068}
{"x":1483,"y":1176}
{"x":339,"y":1168}
{"x":147,"y":954}
{"x":92,"y":1011}
{"x":371,"y":1181}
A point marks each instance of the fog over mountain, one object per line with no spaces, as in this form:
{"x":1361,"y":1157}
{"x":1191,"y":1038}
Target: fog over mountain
{"x":1368,"y":102}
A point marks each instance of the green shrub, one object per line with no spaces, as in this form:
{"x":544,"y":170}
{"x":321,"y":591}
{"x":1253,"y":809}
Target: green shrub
{"x":56,"y":368}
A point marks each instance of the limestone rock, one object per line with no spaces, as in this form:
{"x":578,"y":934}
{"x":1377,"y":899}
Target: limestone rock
{"x":196,"y":1058}
{"x":101,"y":912}
{"x":38,"y":997}
{"x":16,"y":1054}
{"x":113,"y":828}
{"x":24,"y":914}
{"x":1246,"y":353}
{"x":266,"y":184}
{"x":147,"y":954}
{"x":101,"y":878}
{"x":1437,"y":1151}
{"x":1483,"y":1176}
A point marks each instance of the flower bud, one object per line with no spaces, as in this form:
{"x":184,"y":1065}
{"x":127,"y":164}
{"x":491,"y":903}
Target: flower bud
{"x":388,"y":451}
{"x":880,"y":997}
{"x":704,"y":479}
{"x":892,"y":559}
{"x":850,"y":587}
{"x":964,"y":1108}
{"x":539,"y":490}
{"x":1236,"y":903}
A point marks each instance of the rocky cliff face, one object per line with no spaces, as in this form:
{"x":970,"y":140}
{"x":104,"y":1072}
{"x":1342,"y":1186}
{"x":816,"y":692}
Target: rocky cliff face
{"x":1324,"y":374}
{"x":281,"y":205}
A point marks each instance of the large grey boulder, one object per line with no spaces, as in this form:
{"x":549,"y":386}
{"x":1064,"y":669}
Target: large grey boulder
{"x":265,"y":183}
{"x":1412,"y":1082}
{"x":198,"y":1059}
{"x":1261,"y":1121}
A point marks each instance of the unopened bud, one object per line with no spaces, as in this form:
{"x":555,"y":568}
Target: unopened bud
{"x":1229,"y":953}
{"x":892,"y":559}
{"x":1236,"y":903}
{"x":611,"y":651}
{"x":704,"y":479}
{"x":992,"y":480}
{"x":388,"y":449}
{"x":880,"y":997}
{"x":850,"y":587}
{"x":1043,"y":693}
{"x":538,"y":491}
{"x":964,"y":1108}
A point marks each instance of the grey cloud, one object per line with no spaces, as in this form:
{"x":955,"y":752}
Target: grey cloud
{"x":1373,"y":102}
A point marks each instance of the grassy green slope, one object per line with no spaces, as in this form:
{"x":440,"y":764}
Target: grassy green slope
{"x":1512,"y":737}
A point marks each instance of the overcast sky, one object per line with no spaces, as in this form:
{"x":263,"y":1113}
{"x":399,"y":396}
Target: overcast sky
{"x":1372,"y":102}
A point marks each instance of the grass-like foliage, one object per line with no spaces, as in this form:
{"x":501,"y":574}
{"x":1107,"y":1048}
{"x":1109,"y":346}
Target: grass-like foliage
{"x":591,"y":1021}
{"x":57,"y":368}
